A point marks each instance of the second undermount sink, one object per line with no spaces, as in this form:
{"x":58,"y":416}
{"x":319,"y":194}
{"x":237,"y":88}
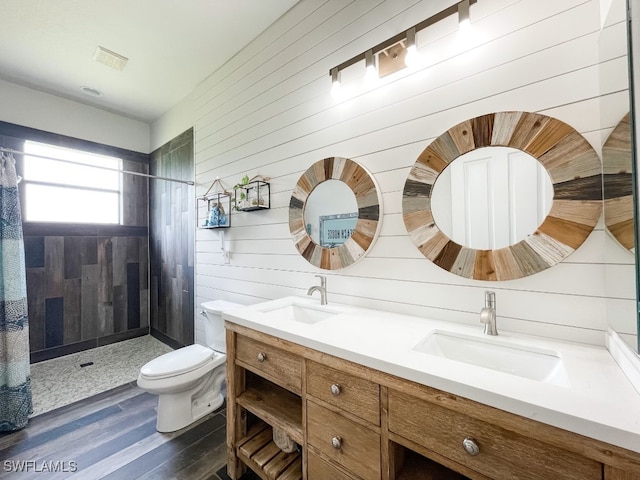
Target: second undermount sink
{"x":302,"y":313}
{"x":525,"y":361}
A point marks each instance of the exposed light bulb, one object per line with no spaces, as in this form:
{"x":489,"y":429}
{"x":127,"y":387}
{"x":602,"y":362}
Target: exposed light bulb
{"x":336,"y":86}
{"x":412,"y":57}
{"x":464,"y":19}
{"x":336,"y":89}
{"x":371,"y":72}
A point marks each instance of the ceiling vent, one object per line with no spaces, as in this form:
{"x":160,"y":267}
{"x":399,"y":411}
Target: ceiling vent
{"x":92,"y":92}
{"x":109,"y":58}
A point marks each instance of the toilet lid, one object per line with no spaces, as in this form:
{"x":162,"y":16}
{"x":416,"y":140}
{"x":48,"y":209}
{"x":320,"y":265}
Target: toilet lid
{"x":179,"y":361}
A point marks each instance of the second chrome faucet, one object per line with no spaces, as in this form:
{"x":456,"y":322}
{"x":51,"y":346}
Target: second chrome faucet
{"x":322,"y":288}
{"x":488,"y":314}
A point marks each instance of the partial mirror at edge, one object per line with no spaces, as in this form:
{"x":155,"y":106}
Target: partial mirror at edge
{"x":618,"y":185}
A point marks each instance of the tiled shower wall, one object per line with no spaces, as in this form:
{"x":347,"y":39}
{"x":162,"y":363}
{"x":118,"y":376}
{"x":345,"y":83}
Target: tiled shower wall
{"x":87,"y":285}
{"x":172,"y":226}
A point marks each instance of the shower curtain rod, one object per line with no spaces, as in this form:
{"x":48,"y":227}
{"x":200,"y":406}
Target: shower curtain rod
{"x":128,"y":172}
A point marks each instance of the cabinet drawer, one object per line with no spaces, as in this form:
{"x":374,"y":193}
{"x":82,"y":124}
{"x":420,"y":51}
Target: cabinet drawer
{"x":321,"y":470}
{"x":345,"y":442}
{"x":353,"y":394}
{"x":277,"y":365}
{"x":503,"y":454}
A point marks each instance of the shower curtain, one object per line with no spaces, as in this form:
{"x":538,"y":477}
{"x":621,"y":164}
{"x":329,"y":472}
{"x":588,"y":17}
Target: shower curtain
{"x":15,"y":382}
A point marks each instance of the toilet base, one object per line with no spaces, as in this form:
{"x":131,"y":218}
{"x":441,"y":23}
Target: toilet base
{"x":179,"y":410}
{"x":174,"y":415}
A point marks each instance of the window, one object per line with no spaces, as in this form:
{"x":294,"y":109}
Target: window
{"x":70,"y":190}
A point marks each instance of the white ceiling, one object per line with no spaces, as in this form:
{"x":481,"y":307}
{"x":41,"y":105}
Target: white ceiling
{"x":172,"y":45}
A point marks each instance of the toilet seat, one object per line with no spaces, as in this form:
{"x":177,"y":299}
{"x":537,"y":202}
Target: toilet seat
{"x":181,"y":361}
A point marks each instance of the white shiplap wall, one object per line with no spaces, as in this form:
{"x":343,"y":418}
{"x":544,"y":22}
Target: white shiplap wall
{"x":269,"y":111}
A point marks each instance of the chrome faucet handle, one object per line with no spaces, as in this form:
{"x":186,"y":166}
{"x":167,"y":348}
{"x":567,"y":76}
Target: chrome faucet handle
{"x":323,"y":280}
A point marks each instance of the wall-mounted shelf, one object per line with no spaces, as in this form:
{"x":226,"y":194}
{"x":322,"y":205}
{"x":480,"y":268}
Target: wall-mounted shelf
{"x":253,"y":195}
{"x":214,"y":208}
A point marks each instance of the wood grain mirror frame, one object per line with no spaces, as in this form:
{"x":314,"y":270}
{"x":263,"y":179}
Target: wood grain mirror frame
{"x":368,"y":222}
{"x":575,"y":172}
{"x":618,"y":185}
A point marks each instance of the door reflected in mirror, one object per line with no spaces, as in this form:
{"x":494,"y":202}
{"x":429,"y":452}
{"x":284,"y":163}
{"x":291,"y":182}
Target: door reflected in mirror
{"x":331,"y":213}
{"x":491,"y":197}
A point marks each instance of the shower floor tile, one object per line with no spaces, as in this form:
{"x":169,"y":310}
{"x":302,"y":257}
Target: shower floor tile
{"x":61,"y":381}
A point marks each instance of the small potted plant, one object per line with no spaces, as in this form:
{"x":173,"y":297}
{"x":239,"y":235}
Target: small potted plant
{"x":252,"y":194}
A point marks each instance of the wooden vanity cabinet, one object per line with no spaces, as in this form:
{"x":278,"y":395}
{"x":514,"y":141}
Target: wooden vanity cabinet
{"x":351,"y":422}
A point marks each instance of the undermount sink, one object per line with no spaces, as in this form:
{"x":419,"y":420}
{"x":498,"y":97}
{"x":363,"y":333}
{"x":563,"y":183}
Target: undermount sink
{"x":525,"y":361}
{"x":309,"y":314}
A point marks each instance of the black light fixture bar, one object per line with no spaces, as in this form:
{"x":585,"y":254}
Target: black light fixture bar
{"x":452,"y":10}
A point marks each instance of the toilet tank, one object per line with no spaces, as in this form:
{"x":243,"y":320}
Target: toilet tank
{"x":214,"y":324}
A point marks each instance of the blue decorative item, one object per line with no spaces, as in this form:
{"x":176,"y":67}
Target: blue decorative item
{"x":214,"y":216}
{"x":215,"y":207}
{"x":217,"y":218}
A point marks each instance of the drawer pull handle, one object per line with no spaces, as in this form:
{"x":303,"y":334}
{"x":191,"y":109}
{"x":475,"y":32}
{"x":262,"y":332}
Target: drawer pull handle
{"x":336,"y":442}
{"x":470,"y":446}
{"x":262,"y":357}
{"x":336,"y":389}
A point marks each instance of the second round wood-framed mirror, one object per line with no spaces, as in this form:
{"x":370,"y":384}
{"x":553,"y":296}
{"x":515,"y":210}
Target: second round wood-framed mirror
{"x":576,"y":176}
{"x":344,"y":220}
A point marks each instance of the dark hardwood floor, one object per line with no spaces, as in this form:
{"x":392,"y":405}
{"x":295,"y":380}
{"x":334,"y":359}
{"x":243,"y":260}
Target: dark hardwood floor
{"x":113,"y":436}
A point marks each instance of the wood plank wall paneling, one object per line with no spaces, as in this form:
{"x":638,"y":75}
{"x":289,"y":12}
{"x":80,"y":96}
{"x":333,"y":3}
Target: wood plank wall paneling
{"x":172,"y":226}
{"x":86,"y":284}
{"x":269,"y":111}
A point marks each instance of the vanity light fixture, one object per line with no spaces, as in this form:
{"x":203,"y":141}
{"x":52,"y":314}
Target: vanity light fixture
{"x":400,"y":50}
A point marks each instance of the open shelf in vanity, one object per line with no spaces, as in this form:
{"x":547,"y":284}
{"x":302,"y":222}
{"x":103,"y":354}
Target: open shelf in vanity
{"x":274,"y":405}
{"x":413,"y":466}
{"x":258,"y":451}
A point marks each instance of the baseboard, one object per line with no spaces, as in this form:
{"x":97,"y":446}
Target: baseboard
{"x":625,"y":357}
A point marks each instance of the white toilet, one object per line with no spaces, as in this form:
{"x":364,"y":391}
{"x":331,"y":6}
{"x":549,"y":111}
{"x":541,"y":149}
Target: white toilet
{"x":189,"y":381}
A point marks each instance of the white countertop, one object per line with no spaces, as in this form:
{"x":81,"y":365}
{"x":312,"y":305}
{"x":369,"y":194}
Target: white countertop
{"x":600,"y":402}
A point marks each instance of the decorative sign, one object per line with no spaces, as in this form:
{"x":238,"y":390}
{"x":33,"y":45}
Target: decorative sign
{"x":337,"y":229}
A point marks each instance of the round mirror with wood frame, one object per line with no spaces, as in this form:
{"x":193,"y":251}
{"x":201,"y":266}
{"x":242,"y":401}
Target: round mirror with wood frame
{"x":576,"y":175}
{"x":368,"y":223}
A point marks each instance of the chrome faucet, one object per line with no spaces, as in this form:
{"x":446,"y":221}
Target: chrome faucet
{"x":488,"y":314}
{"x":322,"y":288}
